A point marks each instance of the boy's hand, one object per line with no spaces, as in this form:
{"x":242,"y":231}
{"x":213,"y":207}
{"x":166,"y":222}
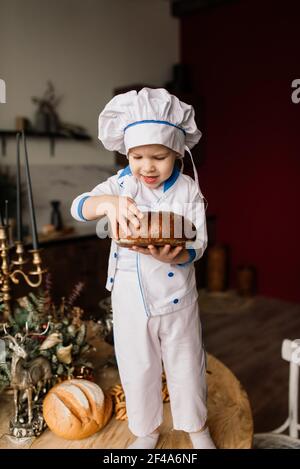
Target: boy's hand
{"x":164,"y":254}
{"x":122,"y":210}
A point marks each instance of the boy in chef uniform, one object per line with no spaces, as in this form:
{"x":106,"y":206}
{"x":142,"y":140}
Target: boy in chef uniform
{"x":153,"y":289}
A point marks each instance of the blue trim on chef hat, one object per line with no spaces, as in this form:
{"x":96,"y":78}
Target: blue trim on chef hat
{"x":153,"y":121}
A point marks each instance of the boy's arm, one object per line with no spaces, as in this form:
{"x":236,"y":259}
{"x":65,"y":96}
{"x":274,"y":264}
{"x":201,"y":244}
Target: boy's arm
{"x":84,"y":206}
{"x":95,"y":207}
{"x":195,"y":212}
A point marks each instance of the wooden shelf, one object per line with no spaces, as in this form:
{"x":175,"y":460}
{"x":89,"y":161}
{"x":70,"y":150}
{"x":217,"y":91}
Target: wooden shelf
{"x":52,"y":136}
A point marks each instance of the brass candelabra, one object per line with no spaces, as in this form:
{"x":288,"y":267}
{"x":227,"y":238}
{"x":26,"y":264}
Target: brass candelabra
{"x":13,"y":267}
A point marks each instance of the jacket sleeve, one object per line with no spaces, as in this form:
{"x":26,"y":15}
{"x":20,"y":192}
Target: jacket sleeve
{"x":195,"y":212}
{"x":108,"y":187}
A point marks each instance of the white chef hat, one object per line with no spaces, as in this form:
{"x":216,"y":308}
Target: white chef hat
{"x":147,"y":117}
{"x":150,"y":116}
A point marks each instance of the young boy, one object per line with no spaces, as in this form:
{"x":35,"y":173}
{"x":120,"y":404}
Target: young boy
{"x":153,"y":290}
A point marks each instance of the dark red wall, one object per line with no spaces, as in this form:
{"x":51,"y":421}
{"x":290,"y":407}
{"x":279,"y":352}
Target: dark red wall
{"x":242,"y":58}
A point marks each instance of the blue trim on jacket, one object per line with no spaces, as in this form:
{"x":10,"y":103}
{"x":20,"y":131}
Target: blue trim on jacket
{"x":80,"y":206}
{"x":167,"y":184}
{"x":172,"y":179}
{"x":125,"y":171}
{"x":192,"y":254}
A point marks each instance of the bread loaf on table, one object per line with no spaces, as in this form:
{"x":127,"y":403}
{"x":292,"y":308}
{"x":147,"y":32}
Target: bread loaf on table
{"x":159,"y":229}
{"x":76,"y":409}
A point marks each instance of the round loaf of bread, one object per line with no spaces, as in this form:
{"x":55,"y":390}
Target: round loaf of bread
{"x":76,"y":409}
{"x":158,"y":228}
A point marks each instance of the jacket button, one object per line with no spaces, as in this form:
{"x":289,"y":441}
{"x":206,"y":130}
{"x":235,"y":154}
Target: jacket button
{"x":176,"y":300}
{"x":115,"y":254}
{"x":170,"y":274}
{"x":111,"y":280}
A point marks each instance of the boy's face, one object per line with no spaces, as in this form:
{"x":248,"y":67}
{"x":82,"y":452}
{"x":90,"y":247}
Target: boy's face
{"x":151,"y":164}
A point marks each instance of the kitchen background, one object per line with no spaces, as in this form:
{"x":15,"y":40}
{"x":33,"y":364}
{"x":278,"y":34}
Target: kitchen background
{"x":236,"y":62}
{"x":87,"y":50}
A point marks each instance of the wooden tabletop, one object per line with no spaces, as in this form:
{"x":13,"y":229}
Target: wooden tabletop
{"x":229,"y":414}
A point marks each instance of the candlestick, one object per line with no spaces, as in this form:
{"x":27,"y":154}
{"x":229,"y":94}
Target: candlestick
{"x":6,"y":213}
{"x":11,"y":271}
{"x":19,"y":203}
{"x":1,"y":217}
{"x":30,"y":198}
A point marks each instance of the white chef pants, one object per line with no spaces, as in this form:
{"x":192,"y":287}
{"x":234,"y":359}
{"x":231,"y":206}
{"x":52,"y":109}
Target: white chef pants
{"x":141,"y":344}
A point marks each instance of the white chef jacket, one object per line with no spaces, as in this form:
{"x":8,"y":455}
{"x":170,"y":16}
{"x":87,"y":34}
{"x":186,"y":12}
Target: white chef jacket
{"x":164,"y":287}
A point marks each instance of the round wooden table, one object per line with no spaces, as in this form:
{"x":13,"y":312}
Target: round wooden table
{"x":229,"y":414}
